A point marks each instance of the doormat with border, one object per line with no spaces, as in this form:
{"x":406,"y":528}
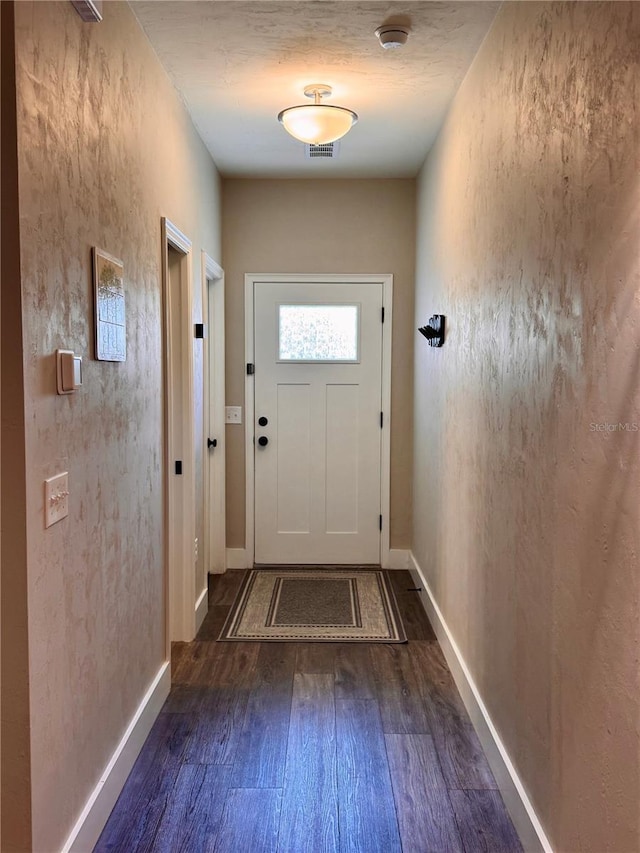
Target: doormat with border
{"x":315,"y":605}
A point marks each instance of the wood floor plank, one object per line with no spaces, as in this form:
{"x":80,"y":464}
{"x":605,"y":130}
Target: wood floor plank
{"x":224,"y":588}
{"x":134,"y":821}
{"x":208,"y":663}
{"x":230,"y":667}
{"x":250,"y":821}
{"x":184,"y":699}
{"x":401,"y":705}
{"x":193,"y":815}
{"x":217,"y":726}
{"x":222,"y":593}
{"x":353,"y":673}
{"x":214,"y":622}
{"x":190,"y":661}
{"x":206,"y":656}
{"x":461,"y":756}
{"x":368,"y":821}
{"x":309,"y":819}
{"x":434,"y":674}
{"x":414,"y":617}
{"x":178,"y":650}
{"x":316,"y":658}
{"x":425,"y":814}
{"x":416,"y":756}
{"x":225,"y":678}
{"x":484,"y":823}
{"x":262,"y":748}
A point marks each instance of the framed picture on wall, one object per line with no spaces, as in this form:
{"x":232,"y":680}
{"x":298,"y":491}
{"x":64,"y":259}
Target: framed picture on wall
{"x":111,"y":331}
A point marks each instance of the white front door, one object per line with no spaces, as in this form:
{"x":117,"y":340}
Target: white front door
{"x":318,"y":375}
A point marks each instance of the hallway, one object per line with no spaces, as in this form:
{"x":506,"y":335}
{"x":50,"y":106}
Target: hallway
{"x":311,"y":747}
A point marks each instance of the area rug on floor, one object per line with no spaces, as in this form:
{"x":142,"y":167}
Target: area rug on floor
{"x":315,"y":604}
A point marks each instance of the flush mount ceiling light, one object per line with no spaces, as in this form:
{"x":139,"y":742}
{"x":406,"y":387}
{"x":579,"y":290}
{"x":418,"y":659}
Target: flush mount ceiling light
{"x":317,"y":123}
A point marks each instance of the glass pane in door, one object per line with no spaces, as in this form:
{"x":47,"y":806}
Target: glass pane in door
{"x":318,"y":333}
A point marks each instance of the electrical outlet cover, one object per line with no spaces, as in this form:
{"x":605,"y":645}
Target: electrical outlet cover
{"x":56,"y":498}
{"x":233,"y":414}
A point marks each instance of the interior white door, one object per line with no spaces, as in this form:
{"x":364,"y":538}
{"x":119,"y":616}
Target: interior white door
{"x":318,"y":375}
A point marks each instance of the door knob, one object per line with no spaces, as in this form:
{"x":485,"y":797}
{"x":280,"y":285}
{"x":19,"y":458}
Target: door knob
{"x":212,"y":442}
{"x":263,"y":421}
{"x":263,"y":441}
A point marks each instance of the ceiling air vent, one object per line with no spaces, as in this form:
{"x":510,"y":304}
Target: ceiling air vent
{"x":89,"y":10}
{"x":328,"y":151}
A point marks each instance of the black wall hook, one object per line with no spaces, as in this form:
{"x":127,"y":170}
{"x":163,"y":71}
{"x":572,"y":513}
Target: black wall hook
{"x":434,"y":330}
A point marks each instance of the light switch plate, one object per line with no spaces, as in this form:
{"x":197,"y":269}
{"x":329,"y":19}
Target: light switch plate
{"x":56,"y":498}
{"x":68,"y":371}
{"x":233,"y":414}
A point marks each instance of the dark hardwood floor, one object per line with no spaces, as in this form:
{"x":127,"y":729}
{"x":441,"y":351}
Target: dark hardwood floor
{"x":311,"y":748}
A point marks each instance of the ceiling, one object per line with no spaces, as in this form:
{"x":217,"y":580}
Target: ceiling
{"x":236,"y":64}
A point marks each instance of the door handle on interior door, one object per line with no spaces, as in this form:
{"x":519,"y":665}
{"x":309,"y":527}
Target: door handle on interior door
{"x":263,"y":441}
{"x":212,"y":442}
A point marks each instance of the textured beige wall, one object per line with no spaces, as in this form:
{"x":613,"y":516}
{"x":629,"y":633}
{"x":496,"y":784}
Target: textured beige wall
{"x":318,"y":226}
{"x":105,"y":149}
{"x":15,"y":791}
{"x":526,"y":516}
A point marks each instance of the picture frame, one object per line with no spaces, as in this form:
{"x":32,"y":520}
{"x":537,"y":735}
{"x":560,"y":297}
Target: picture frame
{"x":110,"y":317}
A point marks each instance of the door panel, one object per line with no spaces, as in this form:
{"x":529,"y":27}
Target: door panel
{"x":318,"y":384}
{"x":293,"y":453}
{"x":341,"y":455}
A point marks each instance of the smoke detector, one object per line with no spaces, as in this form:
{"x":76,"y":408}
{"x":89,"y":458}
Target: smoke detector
{"x":392,"y":36}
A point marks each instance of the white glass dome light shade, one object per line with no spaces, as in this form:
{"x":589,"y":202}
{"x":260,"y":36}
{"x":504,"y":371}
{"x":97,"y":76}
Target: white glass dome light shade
{"x":317,"y":123}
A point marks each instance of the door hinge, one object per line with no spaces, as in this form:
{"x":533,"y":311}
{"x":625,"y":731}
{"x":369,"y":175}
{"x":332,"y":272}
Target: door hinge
{"x":251,"y":369}
{"x":380,"y":521}
{"x":383,"y":313}
{"x":381,"y":419}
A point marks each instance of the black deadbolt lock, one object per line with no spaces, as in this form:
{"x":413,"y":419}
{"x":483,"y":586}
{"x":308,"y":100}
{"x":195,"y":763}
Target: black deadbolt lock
{"x":263,"y":421}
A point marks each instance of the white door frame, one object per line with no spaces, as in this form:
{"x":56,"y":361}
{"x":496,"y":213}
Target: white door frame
{"x":253,"y":280}
{"x":214,"y":400}
{"x":179,"y":491}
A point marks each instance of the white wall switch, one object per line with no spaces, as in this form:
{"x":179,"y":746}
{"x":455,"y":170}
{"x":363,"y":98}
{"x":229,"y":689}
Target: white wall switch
{"x":68,"y":371}
{"x":233,"y":414}
{"x":56,"y":498}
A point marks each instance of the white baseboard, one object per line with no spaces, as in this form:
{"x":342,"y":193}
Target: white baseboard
{"x":397,"y":558}
{"x":516,"y":799}
{"x":237,"y":558}
{"x":202,"y":607}
{"x":90,"y":824}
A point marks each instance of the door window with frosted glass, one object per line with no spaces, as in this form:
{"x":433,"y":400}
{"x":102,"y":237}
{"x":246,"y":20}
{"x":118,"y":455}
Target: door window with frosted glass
{"x":318,"y":333}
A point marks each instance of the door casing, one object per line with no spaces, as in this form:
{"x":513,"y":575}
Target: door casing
{"x":179,"y":491}
{"x":254,"y":280}
{"x":214,"y":384}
